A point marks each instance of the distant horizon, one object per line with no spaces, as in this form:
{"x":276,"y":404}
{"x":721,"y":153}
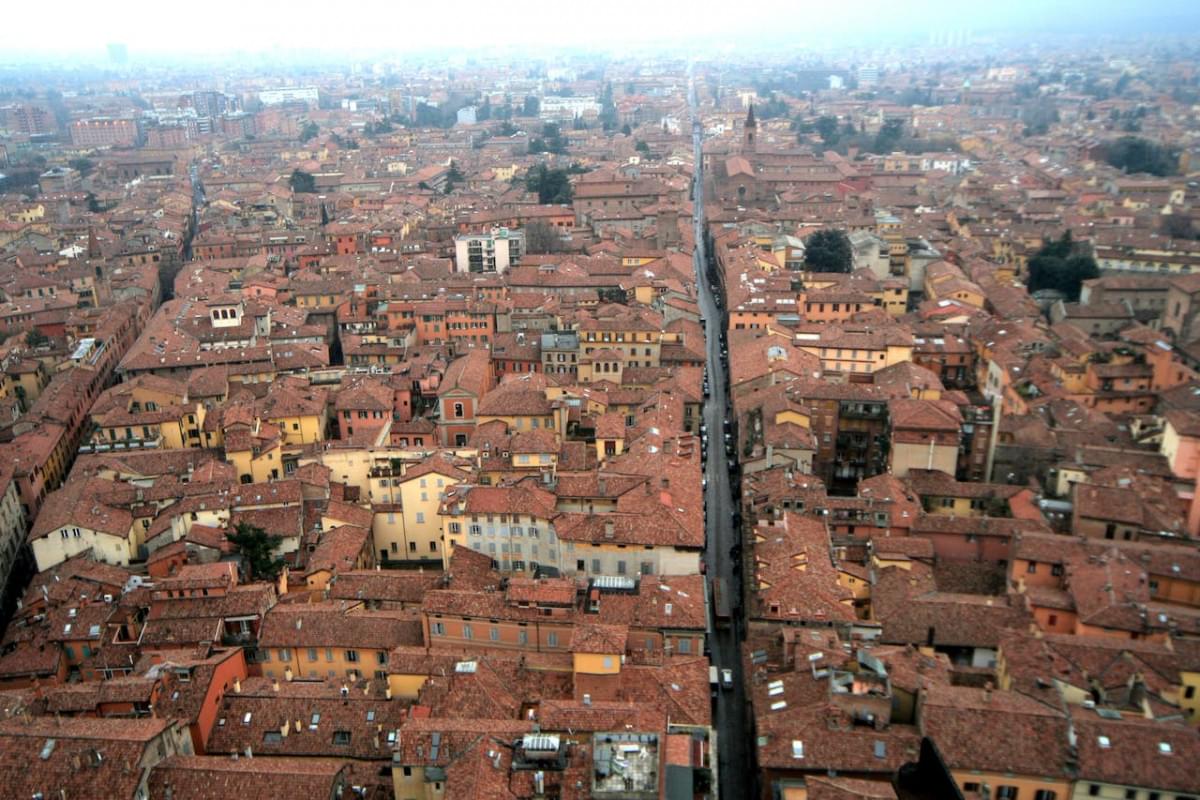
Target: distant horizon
{"x":318,"y":33}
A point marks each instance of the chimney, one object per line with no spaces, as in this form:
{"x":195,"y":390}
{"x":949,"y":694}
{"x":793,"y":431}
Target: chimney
{"x":274,"y":685}
{"x":237,"y":685}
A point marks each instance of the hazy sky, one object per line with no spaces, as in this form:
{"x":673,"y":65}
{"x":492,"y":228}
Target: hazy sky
{"x":153,"y":28}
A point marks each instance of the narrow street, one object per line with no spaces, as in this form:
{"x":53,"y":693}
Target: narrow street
{"x":737,"y":775}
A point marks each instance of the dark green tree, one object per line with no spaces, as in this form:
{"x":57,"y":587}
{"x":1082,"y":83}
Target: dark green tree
{"x":36,"y":338}
{"x":773,"y":108}
{"x":258,"y":549}
{"x":828,"y":250}
{"x":1062,"y":265}
{"x":1178,"y":226}
{"x":531,"y":107}
{"x":827,"y":129}
{"x":303,"y":182}
{"x":506,"y":129}
{"x":308,"y":131}
{"x":1135,"y":154}
{"x":83,"y":165}
{"x":889,"y":136}
{"x":608,"y":109}
{"x":626,"y":130}
{"x":553,"y":186}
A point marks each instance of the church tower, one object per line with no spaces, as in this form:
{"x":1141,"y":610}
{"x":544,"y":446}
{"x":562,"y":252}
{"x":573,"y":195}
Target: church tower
{"x":751,"y":128}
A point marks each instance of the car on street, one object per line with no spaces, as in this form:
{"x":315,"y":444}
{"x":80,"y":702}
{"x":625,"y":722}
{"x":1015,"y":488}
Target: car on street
{"x":727,"y":678}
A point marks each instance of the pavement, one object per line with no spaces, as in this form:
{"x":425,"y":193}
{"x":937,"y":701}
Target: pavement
{"x":737,"y":776}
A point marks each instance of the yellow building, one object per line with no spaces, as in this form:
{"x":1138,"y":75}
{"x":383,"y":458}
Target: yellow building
{"x":75,"y":519}
{"x":298,"y":409}
{"x":407,"y":524}
{"x":854,"y":349}
{"x":322,"y":640}
{"x":255,"y":451}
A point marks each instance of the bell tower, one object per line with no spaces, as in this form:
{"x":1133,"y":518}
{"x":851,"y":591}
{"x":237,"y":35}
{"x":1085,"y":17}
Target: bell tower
{"x":751,"y":128}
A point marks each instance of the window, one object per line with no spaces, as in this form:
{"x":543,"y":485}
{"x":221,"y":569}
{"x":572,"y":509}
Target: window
{"x":1032,"y":567}
{"x":552,"y":639}
{"x":494,"y":633}
{"x":312,"y":654}
{"x":467,"y":633}
{"x":420,"y":517}
{"x":439,"y":629}
{"x":329,"y":654}
{"x":685,"y":645}
{"x":455,"y":527}
{"x":522,"y":637}
{"x":352,"y":656}
{"x":1006,"y":793}
{"x":1093,"y":790}
{"x":341,"y":737}
{"x":285,"y":654}
{"x":458,"y":410}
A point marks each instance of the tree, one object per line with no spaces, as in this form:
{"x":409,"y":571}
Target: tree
{"x":626,"y":130}
{"x":506,"y":129}
{"x":642,"y":147}
{"x":889,"y":136}
{"x":1062,"y":265}
{"x":1178,"y":226}
{"x":553,"y":186}
{"x":612,"y":294}
{"x":83,"y":165}
{"x":36,"y":338}
{"x":531,"y":107}
{"x":827,"y":129}
{"x":258,"y":549}
{"x":772,"y":108}
{"x":608,"y":109}
{"x":309,"y":130}
{"x":828,"y":250}
{"x":541,"y":237}
{"x":303,"y":182}
{"x":1135,"y":154}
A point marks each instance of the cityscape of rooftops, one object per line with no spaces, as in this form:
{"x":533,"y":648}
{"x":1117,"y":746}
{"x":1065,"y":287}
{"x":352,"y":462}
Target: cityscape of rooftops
{"x":640,"y":401}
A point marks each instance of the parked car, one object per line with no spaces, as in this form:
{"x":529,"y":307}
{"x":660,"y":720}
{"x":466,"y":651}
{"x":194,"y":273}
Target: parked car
{"x":727,"y":678}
